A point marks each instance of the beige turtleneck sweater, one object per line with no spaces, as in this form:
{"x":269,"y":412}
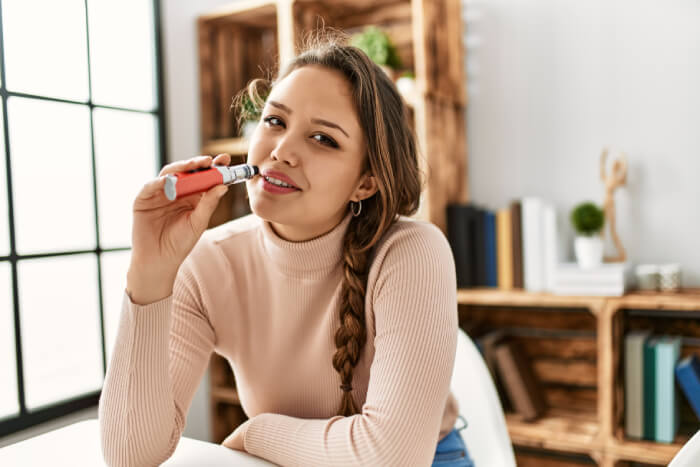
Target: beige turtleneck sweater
{"x":270,"y":307}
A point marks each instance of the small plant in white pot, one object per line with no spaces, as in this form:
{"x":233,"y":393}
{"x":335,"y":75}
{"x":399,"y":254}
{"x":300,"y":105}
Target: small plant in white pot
{"x":588,"y":220}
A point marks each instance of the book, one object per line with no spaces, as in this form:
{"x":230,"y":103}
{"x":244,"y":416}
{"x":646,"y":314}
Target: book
{"x":504,"y":240}
{"x":519,"y":380}
{"x":550,"y":245}
{"x":667,"y":416}
{"x":480,"y":247}
{"x":634,"y":383}
{"x":605,"y":280}
{"x":688,"y":376}
{"x":460,"y":234}
{"x":487,"y":344}
{"x":490,"y":249}
{"x":605,"y":274}
{"x":649,"y":394}
{"x":533,"y":240}
{"x":516,"y":223}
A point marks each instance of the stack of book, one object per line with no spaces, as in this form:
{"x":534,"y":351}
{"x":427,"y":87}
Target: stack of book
{"x":519,"y":247}
{"x":651,"y":398}
{"x":607,"y":279}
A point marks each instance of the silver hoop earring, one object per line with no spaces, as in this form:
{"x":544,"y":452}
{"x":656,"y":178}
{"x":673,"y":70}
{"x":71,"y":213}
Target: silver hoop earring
{"x":359,"y":209}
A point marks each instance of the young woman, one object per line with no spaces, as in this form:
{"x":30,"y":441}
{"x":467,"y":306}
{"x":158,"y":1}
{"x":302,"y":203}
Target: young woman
{"x":336,"y":312}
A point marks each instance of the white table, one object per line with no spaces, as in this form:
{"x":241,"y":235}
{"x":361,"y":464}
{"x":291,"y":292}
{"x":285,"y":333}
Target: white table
{"x":79,"y":445}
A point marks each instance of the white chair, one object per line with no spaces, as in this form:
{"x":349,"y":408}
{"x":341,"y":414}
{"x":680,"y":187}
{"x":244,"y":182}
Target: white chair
{"x":486,"y":435}
{"x":689,"y":455}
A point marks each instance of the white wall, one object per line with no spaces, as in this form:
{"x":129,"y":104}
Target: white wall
{"x":553,"y":81}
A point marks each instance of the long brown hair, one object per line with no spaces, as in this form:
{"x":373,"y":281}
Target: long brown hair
{"x":391,"y":156}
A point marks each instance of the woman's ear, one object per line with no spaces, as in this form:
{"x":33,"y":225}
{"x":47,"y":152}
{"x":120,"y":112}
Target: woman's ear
{"x":366,"y":188}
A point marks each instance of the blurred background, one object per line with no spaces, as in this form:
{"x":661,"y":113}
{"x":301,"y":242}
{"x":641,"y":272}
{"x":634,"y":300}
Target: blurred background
{"x":97,"y":96}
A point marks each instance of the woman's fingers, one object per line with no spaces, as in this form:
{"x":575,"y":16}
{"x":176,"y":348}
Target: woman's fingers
{"x":183,"y":166}
{"x":222,"y":159}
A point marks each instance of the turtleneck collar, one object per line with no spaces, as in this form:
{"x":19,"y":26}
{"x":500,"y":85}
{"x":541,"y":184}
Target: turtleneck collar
{"x":311,"y":258}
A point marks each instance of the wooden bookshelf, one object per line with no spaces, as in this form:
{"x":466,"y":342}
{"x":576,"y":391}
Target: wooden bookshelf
{"x":596,"y":430}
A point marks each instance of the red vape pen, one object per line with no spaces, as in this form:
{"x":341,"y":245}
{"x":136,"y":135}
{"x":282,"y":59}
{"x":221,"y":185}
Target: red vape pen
{"x":194,"y":181}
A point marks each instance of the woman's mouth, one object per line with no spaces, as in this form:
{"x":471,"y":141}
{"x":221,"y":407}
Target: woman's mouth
{"x":273,"y":185}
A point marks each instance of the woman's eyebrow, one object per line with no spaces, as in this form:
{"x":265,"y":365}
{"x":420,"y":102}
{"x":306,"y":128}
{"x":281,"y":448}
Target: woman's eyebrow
{"x":320,"y":121}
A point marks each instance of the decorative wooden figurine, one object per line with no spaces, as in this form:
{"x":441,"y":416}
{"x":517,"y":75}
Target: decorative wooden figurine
{"x":617,"y":178}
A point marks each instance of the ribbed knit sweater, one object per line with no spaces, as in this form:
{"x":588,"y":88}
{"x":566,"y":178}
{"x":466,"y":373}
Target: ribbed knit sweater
{"x":270,"y":307}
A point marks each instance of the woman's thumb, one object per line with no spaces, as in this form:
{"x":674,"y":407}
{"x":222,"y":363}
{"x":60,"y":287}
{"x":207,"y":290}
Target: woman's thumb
{"x":206,"y":206}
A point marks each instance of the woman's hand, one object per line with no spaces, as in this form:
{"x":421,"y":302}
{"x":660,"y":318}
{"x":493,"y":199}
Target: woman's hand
{"x":235,"y":439}
{"x":164,"y":232}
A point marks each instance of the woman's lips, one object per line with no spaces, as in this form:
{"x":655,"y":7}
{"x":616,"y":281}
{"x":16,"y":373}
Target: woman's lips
{"x":279,"y":176}
{"x":276,"y":189}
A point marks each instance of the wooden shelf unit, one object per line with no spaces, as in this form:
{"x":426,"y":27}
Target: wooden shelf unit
{"x":248,"y":38}
{"x":599,"y":431}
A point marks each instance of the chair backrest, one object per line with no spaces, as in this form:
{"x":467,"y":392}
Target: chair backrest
{"x":689,"y":455}
{"x":486,"y":435}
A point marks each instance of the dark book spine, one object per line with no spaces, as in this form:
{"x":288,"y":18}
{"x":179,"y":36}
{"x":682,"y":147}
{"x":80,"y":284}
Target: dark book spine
{"x":459,"y":236}
{"x":480,"y":250}
{"x":516,"y":219}
{"x":491,"y":253}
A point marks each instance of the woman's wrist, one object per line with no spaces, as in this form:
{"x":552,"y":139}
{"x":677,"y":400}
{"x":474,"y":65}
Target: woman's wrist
{"x":145,"y":287}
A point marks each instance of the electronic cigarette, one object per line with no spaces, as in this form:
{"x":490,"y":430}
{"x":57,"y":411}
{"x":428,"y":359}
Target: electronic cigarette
{"x":194,"y":181}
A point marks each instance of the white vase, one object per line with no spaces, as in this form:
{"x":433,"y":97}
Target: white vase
{"x":589,"y":251}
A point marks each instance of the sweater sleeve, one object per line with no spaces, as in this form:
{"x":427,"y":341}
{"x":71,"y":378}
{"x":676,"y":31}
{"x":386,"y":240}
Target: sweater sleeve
{"x":415,"y":308}
{"x":159,"y":357}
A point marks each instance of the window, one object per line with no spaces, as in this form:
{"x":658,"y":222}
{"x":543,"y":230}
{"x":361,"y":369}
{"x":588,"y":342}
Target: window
{"x":81,"y":130}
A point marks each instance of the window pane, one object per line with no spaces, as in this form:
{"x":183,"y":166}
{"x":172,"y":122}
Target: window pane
{"x":9,"y":404}
{"x":60,"y":328}
{"x":122,"y":65}
{"x":51,"y":175}
{"x":114,"y":268}
{"x":4,"y":214}
{"x":46,"y":47}
{"x":124,"y":164}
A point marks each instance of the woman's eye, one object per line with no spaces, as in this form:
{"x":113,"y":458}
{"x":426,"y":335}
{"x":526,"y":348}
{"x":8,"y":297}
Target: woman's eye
{"x":326,"y":140}
{"x":270,"y":119}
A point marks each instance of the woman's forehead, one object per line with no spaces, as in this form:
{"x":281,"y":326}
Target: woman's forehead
{"x":317,"y":92}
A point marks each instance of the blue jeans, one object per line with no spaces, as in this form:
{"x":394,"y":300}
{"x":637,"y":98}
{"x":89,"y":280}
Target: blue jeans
{"x":451,"y":451}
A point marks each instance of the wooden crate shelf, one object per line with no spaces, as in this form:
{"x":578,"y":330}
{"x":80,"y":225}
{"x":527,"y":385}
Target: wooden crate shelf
{"x":597,"y":431}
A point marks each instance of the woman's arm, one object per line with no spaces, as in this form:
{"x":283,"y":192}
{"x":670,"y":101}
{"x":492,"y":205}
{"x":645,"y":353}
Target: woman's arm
{"x":160,"y":355}
{"x":415,"y":308}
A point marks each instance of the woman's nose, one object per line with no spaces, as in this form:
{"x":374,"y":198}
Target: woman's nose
{"x":285,"y":151}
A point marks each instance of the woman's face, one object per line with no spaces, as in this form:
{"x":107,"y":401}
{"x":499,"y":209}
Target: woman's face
{"x":309,"y":137}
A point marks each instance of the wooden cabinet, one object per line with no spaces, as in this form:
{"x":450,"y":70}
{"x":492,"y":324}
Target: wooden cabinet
{"x":576,"y":347}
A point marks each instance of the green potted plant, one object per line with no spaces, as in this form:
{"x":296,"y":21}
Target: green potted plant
{"x":379,"y":47}
{"x":588,"y":220}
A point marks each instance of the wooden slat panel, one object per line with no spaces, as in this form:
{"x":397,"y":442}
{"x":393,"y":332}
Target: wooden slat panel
{"x":565,"y":348}
{"x":503,"y":317}
{"x":575,"y":399}
{"x":206,"y":91}
{"x":574,"y":372}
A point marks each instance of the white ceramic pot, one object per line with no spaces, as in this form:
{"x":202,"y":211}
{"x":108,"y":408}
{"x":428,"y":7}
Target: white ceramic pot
{"x":589,"y":251}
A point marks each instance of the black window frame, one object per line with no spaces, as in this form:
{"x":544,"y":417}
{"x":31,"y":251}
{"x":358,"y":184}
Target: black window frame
{"x":26,"y":419}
